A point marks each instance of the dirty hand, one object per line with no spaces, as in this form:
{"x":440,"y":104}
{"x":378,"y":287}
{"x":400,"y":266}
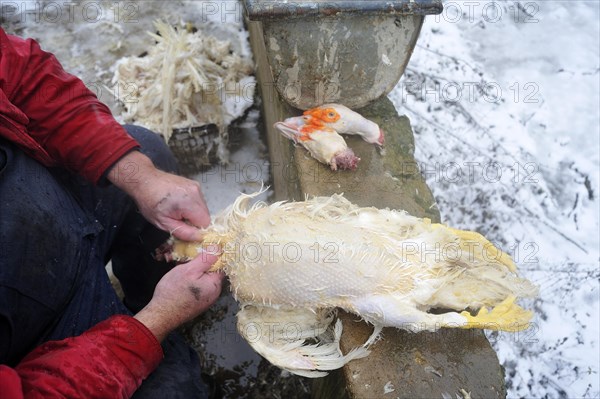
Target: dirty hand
{"x":172,"y":203}
{"x":182,"y":294}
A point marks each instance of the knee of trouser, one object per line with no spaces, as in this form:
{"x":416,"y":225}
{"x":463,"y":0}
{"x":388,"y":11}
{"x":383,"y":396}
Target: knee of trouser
{"x":154,"y":146}
{"x":46,"y":236}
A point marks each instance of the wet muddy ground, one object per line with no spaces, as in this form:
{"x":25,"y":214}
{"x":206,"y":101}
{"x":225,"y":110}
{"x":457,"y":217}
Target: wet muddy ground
{"x":235,"y":369}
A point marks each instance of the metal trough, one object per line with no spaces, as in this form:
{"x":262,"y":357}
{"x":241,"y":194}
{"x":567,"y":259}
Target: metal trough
{"x":348,"y":52}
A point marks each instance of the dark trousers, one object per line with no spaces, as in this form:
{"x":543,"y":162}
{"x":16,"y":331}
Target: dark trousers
{"x":57,"y":233}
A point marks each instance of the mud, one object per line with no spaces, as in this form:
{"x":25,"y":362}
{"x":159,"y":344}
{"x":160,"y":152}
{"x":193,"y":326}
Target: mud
{"x":228,"y":362}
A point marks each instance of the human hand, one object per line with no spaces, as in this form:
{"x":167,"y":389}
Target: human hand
{"x":182,"y":294}
{"x":170,"y":202}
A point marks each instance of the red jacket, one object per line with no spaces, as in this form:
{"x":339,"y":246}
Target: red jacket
{"x":55,"y":119}
{"x":52,"y":116}
{"x":108,"y":361}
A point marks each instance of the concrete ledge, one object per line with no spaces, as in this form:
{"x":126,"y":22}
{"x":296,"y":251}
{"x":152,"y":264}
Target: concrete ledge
{"x":402,"y":364}
{"x":415,"y":365}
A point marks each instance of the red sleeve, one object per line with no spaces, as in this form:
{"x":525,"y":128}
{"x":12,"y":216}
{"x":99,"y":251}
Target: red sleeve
{"x":108,"y":361}
{"x":65,"y":118}
{"x":10,"y":383}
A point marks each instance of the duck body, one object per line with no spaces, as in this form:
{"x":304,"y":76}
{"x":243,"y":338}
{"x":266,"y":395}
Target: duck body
{"x":297,"y":262}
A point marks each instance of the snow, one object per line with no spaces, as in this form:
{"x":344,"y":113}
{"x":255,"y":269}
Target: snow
{"x":504,"y":99}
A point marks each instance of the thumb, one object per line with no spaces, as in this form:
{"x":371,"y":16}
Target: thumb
{"x":183,"y":231}
{"x":198,"y":216}
{"x":202,"y":263}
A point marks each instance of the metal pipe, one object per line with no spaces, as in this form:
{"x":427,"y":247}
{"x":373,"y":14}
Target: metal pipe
{"x":260,"y":10}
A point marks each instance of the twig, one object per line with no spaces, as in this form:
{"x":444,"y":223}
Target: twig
{"x":429,"y":75}
{"x":555,"y":229}
{"x":455,"y":59}
{"x":444,"y":130}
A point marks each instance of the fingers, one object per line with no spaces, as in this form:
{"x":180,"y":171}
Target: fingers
{"x":207,"y":289}
{"x":204,"y":284}
{"x":214,"y":279}
{"x":183,"y":231}
{"x":214,"y":284}
{"x":196,"y":211}
{"x":202,"y":263}
{"x":198,"y":215}
{"x":186,"y":213}
{"x":174,"y":204}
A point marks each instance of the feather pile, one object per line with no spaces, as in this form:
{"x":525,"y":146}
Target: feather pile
{"x":186,"y":79}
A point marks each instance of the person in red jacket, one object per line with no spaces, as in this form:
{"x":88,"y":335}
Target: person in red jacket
{"x":77,"y":189}
{"x":111,"y":359}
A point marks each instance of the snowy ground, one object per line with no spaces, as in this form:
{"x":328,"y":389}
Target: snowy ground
{"x":504,"y":101}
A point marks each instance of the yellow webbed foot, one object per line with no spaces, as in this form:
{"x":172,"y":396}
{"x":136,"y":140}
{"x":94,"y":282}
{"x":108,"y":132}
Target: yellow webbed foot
{"x":506,"y":316}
